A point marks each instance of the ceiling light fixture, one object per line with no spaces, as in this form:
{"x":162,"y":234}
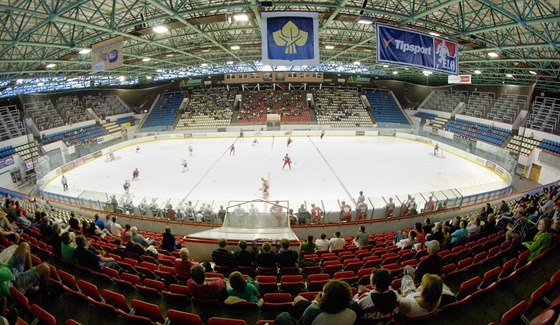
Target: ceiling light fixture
{"x":160,"y":29}
{"x":235,"y":47}
{"x":229,"y":62}
{"x":149,"y":77}
{"x":477,"y":72}
{"x":241,"y":17}
{"x":434,"y":34}
{"x":40,"y":84}
{"x":509,"y":75}
{"x":385,"y":66}
{"x":493,"y":54}
{"x":146,"y":59}
{"x":329,"y":47}
{"x":170,"y":55}
{"x":357,"y":63}
{"x":532,"y":72}
{"x":84,"y":51}
{"x":50,"y":65}
{"x":204,"y":65}
{"x":365,"y":20}
{"x":395,"y":72}
{"x":427,"y":73}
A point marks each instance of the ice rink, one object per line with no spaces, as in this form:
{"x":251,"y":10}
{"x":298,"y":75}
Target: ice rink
{"x":329,"y":169}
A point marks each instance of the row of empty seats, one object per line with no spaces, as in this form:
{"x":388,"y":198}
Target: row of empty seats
{"x":164,"y":113}
{"x":10,"y":123}
{"x":549,"y":145}
{"x":445,"y":100}
{"x":545,"y":115}
{"x":507,"y":107}
{"x":76,"y":135}
{"x":340,"y":108}
{"x":478,"y":131}
{"x":522,"y":145}
{"x":479,"y":104}
{"x":43,"y":114}
{"x":384,"y":108}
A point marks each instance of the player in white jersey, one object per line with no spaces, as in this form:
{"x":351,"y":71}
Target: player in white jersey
{"x":185,"y":165}
{"x":190,"y":150}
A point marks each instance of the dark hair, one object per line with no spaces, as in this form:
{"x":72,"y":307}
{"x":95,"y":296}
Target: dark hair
{"x":222,"y":243}
{"x":285,"y":243}
{"x":418,"y":226}
{"x":118,"y":241}
{"x":197,"y":274}
{"x":381,"y":279}
{"x":310,"y":238}
{"x":243,"y":244}
{"x":167,"y":230}
{"x":413,"y":234}
{"x":96,"y":216}
{"x":336,"y":297}
{"x":65,"y":238}
{"x":362,"y":228}
{"x":323,"y":236}
{"x":237,"y":281}
{"x":337,"y":234}
{"x":81,"y":241}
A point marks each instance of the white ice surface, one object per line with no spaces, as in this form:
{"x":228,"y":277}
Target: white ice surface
{"x":332,"y":168}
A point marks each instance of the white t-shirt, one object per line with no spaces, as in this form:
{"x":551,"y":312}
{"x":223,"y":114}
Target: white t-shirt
{"x":337,"y":243}
{"x":322,"y":244}
{"x":116,"y":229}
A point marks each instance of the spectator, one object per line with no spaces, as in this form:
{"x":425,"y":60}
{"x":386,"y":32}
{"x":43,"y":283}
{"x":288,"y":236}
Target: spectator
{"x":316,"y":213}
{"x":419,"y":232}
{"x":331,"y":306}
{"x":489,"y":209}
{"x":542,"y":240}
{"x":20,"y":218}
{"x":88,"y":258}
{"x":99,"y":223}
{"x":222,"y":256}
{"x":287,"y":257}
{"x":422,"y":301}
{"x":432,"y":264}
{"x":490,"y":225}
{"x":116,"y":229}
{"x":124,"y":232}
{"x":56,"y":241}
{"x":427,"y":227}
{"x":7,"y":230}
{"x":555,"y":228}
{"x":204,"y":288}
{"x":361,"y":197}
{"x":74,"y":222}
{"x":308,"y":246}
{"x":136,"y":237}
{"x":519,"y":228}
{"x":430,"y":205}
{"x":244,"y":257}
{"x":183,"y":264}
{"x":323,"y":243}
{"x":303,"y":215}
{"x":437,"y":234}
{"x":119,"y":248}
{"x":460,"y":233}
{"x":504,"y":208}
{"x":24,"y":275}
{"x":266,"y":258}
{"x":474,"y":226}
{"x":409,"y":241}
{"x":361,"y":238}
{"x":547,"y":208}
{"x":24,"y":212}
{"x":241,"y":289}
{"x":68,"y":246}
{"x":168,"y":240}
{"x":337,"y":242}
{"x":135,"y":248}
{"x":380,"y":305}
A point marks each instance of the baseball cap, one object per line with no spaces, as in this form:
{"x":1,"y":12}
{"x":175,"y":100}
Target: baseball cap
{"x":433,"y":245}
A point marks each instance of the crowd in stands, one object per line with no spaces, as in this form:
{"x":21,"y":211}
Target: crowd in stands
{"x":290,"y":105}
{"x":340,"y":108}
{"x":208,"y":108}
{"x":369,"y":277}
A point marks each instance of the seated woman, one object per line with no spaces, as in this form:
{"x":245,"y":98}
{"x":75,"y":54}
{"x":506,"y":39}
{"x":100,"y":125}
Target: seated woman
{"x":241,"y":289}
{"x":542,"y":240}
{"x":183,"y":264}
{"x":422,"y":301}
{"x":409,"y":241}
{"x":330,"y":306}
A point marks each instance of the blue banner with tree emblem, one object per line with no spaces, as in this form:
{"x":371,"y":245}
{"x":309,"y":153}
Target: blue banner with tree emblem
{"x":290,"y":38}
{"x":408,"y":47}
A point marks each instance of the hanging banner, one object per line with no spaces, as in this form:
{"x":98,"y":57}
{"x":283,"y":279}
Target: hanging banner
{"x":290,"y":38}
{"x":107,"y":55}
{"x":460,"y":79}
{"x":411,"y":48}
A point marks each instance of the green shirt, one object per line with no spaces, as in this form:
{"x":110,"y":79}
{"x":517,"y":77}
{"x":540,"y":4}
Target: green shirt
{"x":308,"y":247}
{"x":542,"y":241}
{"x":68,"y":252}
{"x":250,"y":293}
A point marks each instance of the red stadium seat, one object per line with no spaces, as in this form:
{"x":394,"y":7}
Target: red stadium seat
{"x":277,"y":301}
{"x":315,"y":282}
{"x":117,"y":300}
{"x":145,"y":309}
{"x":225,"y":321}
{"x":177,"y":317}
{"x":44,"y":317}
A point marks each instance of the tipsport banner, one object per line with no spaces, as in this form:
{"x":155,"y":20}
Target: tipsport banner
{"x":107,"y":54}
{"x":411,"y":48}
{"x":290,"y":38}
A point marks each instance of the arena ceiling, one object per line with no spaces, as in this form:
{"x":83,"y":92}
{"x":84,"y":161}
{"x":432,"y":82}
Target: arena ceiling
{"x":205,"y":38}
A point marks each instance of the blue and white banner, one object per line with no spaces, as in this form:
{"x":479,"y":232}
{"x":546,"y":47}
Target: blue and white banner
{"x":411,"y":48}
{"x":290,"y":38}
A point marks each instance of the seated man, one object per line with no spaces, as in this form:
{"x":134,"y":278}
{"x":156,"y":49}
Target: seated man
{"x":380,"y":305}
{"x":7,"y":230}
{"x":24,"y":275}
{"x":205,"y":288}
{"x":141,"y":239}
{"x":222,"y":257}
{"x":88,"y":258}
{"x":287,"y":257}
{"x":135,"y":248}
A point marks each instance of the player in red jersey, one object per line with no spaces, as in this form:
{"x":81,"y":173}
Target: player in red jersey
{"x":135,"y":174}
{"x":316,"y":213}
{"x":287,"y":161}
{"x":265,"y":186}
{"x":345,"y":212}
{"x":361,"y":210}
{"x":289,"y":141}
{"x":232,"y":149}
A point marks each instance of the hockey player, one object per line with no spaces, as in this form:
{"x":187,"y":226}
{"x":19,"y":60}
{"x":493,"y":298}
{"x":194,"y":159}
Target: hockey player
{"x":316,"y":213}
{"x":289,"y":141}
{"x":265,"y":186}
{"x":111,"y":155}
{"x":185,"y":165}
{"x":137,"y":149}
{"x":126,"y":185}
{"x":232,"y":150}
{"x":64,"y":183}
{"x":436,"y":149}
{"x":190,"y":150}
{"x":287,"y":161}
{"x":322,"y":133}
{"x":361,"y":210}
{"x":255,"y":142}
{"x":135,"y":174}
{"x":345,"y":212}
